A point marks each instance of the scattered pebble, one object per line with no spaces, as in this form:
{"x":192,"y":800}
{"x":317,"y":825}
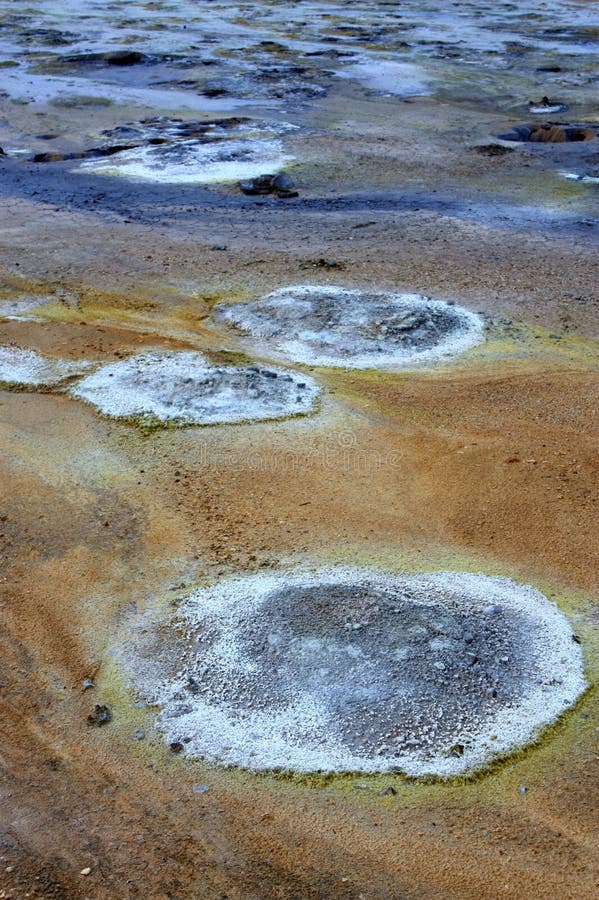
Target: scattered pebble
{"x":100,"y":716}
{"x":200,"y":788}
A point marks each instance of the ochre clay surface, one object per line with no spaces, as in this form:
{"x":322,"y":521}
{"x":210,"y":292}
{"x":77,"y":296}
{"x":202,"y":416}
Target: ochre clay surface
{"x":483,"y":463}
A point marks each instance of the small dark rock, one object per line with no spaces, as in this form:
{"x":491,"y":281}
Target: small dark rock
{"x":48,"y":157}
{"x":283,"y":182}
{"x":262,"y":184}
{"x":388,"y":792}
{"x":192,"y":685}
{"x":576,"y":639}
{"x":282,"y":185}
{"x":176,"y":746}
{"x":457,"y":750}
{"x":100,"y":716}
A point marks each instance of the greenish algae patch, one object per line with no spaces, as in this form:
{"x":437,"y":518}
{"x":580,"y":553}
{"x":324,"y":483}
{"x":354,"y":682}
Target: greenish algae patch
{"x":113,"y":690}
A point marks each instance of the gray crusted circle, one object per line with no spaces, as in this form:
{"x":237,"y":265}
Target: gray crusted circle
{"x":184,"y":388}
{"x":354,"y":670}
{"x":333,"y":326}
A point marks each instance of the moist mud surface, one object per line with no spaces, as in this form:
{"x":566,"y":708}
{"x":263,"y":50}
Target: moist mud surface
{"x":355,"y":329}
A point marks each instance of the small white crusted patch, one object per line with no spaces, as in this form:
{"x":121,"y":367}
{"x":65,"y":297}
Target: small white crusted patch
{"x":389,"y":77}
{"x":354,"y":329}
{"x":18,"y":307}
{"x":183,"y":387}
{"x":19,"y":366}
{"x":588,"y":178}
{"x":191,"y":162}
{"x":355,"y":670}
{"x":547,"y":109}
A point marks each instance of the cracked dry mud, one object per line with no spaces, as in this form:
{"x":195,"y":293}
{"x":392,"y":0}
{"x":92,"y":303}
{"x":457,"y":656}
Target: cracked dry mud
{"x":480,"y":462}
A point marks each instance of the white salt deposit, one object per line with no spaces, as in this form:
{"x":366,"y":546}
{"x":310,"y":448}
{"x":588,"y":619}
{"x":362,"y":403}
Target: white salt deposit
{"x":333,"y":326}
{"x":389,"y":77}
{"x":585,"y":179}
{"x":183,"y":388}
{"x":355,"y":670}
{"x":19,"y":366}
{"x":18,"y":308}
{"x":541,"y":109}
{"x":192,"y":162}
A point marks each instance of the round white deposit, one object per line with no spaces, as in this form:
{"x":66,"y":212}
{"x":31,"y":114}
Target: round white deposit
{"x":22,"y":367}
{"x":183,"y":388}
{"x":333,"y":326}
{"x":355,"y":670}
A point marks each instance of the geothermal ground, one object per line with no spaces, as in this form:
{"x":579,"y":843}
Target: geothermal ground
{"x":298,"y":481}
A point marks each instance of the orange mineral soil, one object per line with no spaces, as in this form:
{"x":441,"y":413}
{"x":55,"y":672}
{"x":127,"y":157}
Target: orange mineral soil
{"x":487,"y":463}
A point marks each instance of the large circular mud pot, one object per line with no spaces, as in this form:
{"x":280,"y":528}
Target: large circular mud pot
{"x":354,"y":670}
{"x":184,"y":389}
{"x":332,"y":326}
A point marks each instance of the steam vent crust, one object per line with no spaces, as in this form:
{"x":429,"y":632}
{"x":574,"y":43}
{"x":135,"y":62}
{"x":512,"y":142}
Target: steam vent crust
{"x":354,"y":329}
{"x":184,"y":388}
{"x":353,"y":670}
